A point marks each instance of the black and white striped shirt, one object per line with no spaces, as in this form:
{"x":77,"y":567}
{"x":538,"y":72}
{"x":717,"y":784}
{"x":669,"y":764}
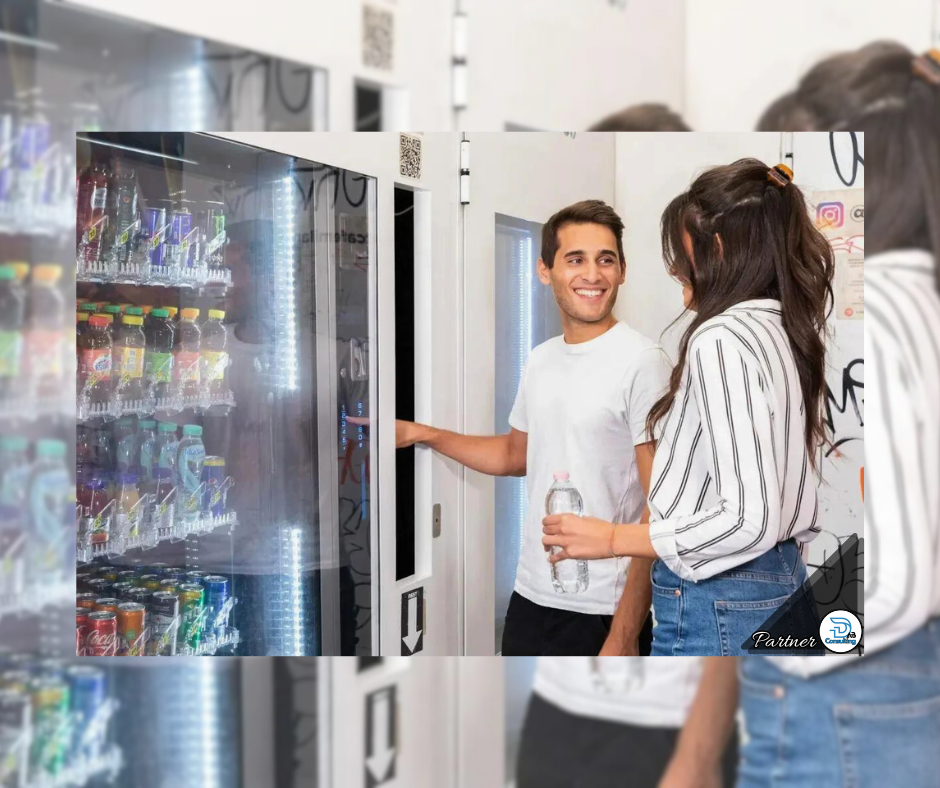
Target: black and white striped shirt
{"x":902,"y":454}
{"x":731,"y":477}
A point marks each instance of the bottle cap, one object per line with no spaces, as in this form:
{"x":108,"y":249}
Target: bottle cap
{"x":133,"y":320}
{"x":98,"y":321}
{"x":560,"y":476}
{"x":7,"y":273}
{"x":50,"y":448}
{"x":21,"y":270}
{"x":216,"y":314}
{"x":145,"y":309}
{"x":81,"y":317}
{"x":172,"y":310}
{"x":125,"y":307}
{"x":147,"y":424}
{"x":166,"y":426}
{"x":192,"y":429}
{"x":90,"y":306}
{"x":112,"y":309}
{"x":215,"y":462}
{"x":14,"y":443}
{"x":133,"y":310}
{"x":190,"y":313}
{"x":47,"y":273}
{"x":160,"y":313}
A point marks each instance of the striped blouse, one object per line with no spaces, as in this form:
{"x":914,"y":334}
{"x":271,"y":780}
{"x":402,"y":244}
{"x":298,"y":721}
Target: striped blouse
{"x":731,"y":476}
{"x":902,"y":454}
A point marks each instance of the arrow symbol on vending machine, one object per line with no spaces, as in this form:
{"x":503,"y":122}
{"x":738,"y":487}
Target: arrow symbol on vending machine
{"x":412,"y":639}
{"x":380,"y":742}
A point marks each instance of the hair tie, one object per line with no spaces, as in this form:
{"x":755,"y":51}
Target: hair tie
{"x":927,"y":67}
{"x":781,"y":175}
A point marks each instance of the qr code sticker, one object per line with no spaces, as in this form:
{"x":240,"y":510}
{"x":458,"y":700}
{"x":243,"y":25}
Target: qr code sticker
{"x":378,"y":38}
{"x":409,"y":156}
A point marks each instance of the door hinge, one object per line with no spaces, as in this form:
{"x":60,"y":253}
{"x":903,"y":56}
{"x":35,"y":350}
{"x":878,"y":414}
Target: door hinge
{"x":465,"y":172}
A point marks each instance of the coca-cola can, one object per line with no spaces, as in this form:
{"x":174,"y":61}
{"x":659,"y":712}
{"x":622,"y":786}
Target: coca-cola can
{"x":81,"y":630}
{"x":102,"y":634}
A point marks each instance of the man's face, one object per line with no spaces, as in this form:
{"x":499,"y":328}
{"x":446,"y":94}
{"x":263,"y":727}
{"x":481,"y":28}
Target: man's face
{"x":587,"y":271}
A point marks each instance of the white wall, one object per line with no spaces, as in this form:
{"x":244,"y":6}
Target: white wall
{"x":742,"y":55}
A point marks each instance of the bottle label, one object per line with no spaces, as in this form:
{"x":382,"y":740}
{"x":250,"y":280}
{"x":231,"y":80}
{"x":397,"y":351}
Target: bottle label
{"x":100,"y":198}
{"x":96,"y":365}
{"x":45,"y":353}
{"x":132,"y":363}
{"x":159,"y":366}
{"x":187,"y":366}
{"x":11,"y":344}
{"x":214,"y":364}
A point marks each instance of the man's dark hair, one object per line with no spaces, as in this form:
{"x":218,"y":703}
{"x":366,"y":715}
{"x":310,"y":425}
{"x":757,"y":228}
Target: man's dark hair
{"x":643,"y":117}
{"x":584,"y":212}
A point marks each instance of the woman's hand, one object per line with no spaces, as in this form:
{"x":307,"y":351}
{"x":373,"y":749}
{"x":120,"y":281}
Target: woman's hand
{"x":580,"y":537}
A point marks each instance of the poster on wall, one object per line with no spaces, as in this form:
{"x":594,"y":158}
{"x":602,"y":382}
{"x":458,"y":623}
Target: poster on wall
{"x":840,"y":215}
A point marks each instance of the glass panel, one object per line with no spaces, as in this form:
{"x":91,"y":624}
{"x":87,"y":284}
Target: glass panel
{"x":253,"y":272}
{"x":525,"y":313}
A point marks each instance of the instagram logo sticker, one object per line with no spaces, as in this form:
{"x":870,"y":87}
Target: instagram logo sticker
{"x":830,"y":214}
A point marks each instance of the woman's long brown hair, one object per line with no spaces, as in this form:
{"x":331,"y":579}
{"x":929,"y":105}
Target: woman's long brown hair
{"x":752,"y":239}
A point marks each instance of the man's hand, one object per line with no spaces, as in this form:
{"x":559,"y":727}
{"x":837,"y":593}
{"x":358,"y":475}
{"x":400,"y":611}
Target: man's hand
{"x":617,"y":647}
{"x":580,"y":537}
{"x":683,"y":773}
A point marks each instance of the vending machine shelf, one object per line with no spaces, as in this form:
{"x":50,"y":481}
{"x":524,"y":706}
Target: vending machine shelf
{"x":228,"y":638}
{"x":81,"y":772}
{"x":198,"y":276}
{"x":116,"y":407}
{"x":25,"y":408}
{"x":33,"y":597}
{"x":148,"y":536}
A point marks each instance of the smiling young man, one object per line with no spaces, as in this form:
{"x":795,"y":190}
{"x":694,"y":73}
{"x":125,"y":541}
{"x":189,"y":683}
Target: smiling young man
{"x":581,"y":408}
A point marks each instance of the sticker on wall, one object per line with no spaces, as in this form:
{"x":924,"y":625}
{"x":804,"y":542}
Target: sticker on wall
{"x":840,"y":216}
{"x":381,"y":742}
{"x":409,"y":156}
{"x":412,"y":622}
{"x":378,"y":38}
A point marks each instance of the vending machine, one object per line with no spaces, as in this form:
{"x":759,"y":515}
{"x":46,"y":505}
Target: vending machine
{"x":225,"y":322}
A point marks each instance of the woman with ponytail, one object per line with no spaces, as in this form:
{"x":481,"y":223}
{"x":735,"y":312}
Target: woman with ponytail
{"x":733,"y":488}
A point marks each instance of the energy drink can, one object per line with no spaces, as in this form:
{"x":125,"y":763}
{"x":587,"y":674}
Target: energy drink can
{"x":140,"y":595}
{"x":152,"y":221}
{"x":99,"y":586}
{"x":128,"y":576}
{"x":195,"y":577}
{"x":169,"y":585}
{"x":178,"y":244}
{"x":156,"y":569}
{"x":213,"y":474}
{"x":151,"y":581}
{"x":50,"y":714}
{"x":81,"y":580}
{"x":164,"y":609}
{"x":216,"y":596}
{"x":176,"y":573}
{"x":192,"y":604}
{"x":131,"y":629}
{"x":89,"y":693}
{"x":120,"y":589}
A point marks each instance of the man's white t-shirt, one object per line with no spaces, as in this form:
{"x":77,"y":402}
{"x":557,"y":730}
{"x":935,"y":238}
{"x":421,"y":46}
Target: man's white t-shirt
{"x":651,"y":692}
{"x":584,"y":407}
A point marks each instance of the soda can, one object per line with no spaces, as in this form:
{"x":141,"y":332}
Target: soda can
{"x":18,"y":679}
{"x":81,"y":580}
{"x":120,"y":589}
{"x":90,"y":568}
{"x":177,"y":245}
{"x":51,"y":698}
{"x":216,"y":596}
{"x":171,"y":586}
{"x":155,"y":569}
{"x":173,"y":572}
{"x":109,"y":604}
{"x":109,"y":573}
{"x":151,"y":581}
{"x":81,"y":630}
{"x":102,"y":634}
{"x":213,"y":474}
{"x":195,"y":576}
{"x":16,"y":719}
{"x":86,"y":601}
{"x":128,"y":576}
{"x":152,"y":220}
{"x":89,"y":694}
{"x":99,"y":587}
{"x":131,"y":629}
{"x":141,"y":595}
{"x":192,"y":603}
{"x":164,"y":609}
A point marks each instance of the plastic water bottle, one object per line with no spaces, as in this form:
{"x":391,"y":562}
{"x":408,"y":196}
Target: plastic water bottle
{"x":568,"y":576}
{"x":167,"y":445}
{"x":190,"y":459}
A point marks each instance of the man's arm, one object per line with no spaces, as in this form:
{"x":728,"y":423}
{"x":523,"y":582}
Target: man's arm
{"x":696,"y":763}
{"x":496,"y":455}
{"x":637,"y":595}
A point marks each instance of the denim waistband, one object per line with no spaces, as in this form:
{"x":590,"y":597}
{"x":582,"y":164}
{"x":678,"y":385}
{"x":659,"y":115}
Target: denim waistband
{"x":782,"y":559}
